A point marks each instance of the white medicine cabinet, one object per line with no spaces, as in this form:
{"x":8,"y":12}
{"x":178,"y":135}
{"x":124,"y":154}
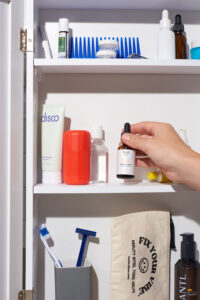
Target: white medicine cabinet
{"x":107,"y":92}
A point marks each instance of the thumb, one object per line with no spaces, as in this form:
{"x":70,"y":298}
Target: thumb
{"x":138,"y":142}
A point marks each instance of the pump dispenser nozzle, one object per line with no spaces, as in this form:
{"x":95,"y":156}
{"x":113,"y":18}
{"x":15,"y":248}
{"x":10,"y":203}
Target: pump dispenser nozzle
{"x":188,"y":246}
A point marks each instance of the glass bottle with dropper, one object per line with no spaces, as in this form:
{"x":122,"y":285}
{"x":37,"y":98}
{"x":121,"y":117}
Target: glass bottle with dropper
{"x":180,"y":38}
{"x":125,"y":158}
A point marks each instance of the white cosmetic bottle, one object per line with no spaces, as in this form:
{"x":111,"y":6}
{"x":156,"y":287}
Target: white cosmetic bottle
{"x":99,"y":157}
{"x":166,"y":38}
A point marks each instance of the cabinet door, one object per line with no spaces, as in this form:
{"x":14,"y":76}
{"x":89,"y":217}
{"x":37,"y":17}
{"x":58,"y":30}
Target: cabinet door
{"x":11,"y":149}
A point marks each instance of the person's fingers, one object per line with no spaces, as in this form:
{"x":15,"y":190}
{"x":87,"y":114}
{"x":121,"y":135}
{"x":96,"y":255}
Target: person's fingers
{"x":139,"y":153}
{"x":142,"y":143}
{"x":145,"y":128}
{"x":144,"y":163}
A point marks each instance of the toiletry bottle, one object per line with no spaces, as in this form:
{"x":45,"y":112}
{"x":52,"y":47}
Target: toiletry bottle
{"x":99,"y":157}
{"x":158,"y":177}
{"x":63,"y":38}
{"x":166,"y":38}
{"x":180,"y":38}
{"x":186,"y":270}
{"x":125,"y":159}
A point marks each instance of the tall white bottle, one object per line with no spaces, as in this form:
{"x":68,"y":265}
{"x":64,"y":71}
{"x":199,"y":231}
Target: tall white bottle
{"x":99,"y":157}
{"x":166,"y":38}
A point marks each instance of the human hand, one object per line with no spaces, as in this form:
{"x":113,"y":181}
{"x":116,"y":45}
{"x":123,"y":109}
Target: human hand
{"x":165,"y":150}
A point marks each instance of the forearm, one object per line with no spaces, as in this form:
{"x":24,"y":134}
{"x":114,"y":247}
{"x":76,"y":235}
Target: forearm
{"x":191,"y":171}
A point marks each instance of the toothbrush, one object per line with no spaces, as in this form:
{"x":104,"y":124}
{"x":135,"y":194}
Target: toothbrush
{"x":45,"y":235}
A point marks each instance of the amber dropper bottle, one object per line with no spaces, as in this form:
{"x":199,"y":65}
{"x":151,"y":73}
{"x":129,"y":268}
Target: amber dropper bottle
{"x":180,"y":38}
{"x":187,"y":271}
{"x":125,"y":158}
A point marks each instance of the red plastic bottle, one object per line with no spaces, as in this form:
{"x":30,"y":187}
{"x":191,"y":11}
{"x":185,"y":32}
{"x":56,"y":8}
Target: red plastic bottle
{"x":76,"y":157}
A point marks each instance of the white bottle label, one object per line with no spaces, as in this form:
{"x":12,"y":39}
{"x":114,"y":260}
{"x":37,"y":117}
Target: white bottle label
{"x":126,"y":162}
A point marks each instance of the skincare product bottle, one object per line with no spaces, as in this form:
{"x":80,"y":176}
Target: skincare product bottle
{"x":99,"y":156}
{"x":125,"y":159}
{"x":76,"y":157}
{"x":186,"y":270}
{"x":166,"y":38}
{"x":180,"y":38}
{"x":158,"y":176}
{"x":63,"y":38}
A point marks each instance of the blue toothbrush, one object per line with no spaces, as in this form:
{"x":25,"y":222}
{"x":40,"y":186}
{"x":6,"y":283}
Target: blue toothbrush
{"x":85,"y":234}
{"x":45,"y":235}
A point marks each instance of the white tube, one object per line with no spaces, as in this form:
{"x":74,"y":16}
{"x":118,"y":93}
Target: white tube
{"x":47,"y":51}
{"x":52,"y":121}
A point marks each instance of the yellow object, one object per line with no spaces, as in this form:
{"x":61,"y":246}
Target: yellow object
{"x":158,"y":176}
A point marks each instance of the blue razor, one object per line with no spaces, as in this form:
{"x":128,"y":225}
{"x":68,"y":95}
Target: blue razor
{"x":85,"y":234}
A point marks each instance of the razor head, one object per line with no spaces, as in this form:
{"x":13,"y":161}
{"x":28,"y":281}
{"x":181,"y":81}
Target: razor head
{"x":85,"y":232}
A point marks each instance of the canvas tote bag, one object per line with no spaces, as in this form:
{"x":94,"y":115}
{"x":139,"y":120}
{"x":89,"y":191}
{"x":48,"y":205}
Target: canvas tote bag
{"x":140,"y":256}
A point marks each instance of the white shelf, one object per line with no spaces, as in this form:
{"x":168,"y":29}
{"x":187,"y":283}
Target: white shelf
{"x":118,"y":66}
{"x":126,"y":4}
{"x":111,"y":188}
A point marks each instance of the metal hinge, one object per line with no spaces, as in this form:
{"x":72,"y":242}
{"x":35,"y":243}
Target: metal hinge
{"x":25,"y":295}
{"x":26,"y":40}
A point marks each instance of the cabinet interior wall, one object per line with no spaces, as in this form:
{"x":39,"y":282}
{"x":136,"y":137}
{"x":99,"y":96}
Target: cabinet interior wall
{"x":111,"y":100}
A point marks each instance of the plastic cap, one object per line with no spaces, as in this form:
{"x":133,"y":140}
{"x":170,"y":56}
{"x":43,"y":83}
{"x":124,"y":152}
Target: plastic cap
{"x":97,"y":132}
{"x":195,"y":43}
{"x":106,"y":54}
{"x":188,"y":246}
{"x":52,"y":177}
{"x":152,"y":176}
{"x":64,"y":24}
{"x":108,"y":44}
{"x":165,"y":22}
{"x":178,"y":26}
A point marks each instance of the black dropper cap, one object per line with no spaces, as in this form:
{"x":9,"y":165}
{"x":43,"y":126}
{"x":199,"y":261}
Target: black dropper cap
{"x":188,"y":246}
{"x":127,"y":128}
{"x":178,"y":26}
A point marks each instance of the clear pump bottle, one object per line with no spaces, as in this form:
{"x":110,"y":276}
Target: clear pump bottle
{"x":99,"y":157}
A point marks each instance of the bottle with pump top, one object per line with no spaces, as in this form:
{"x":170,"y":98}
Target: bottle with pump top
{"x":186,"y":270}
{"x":125,"y":158}
{"x":180,"y":38}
